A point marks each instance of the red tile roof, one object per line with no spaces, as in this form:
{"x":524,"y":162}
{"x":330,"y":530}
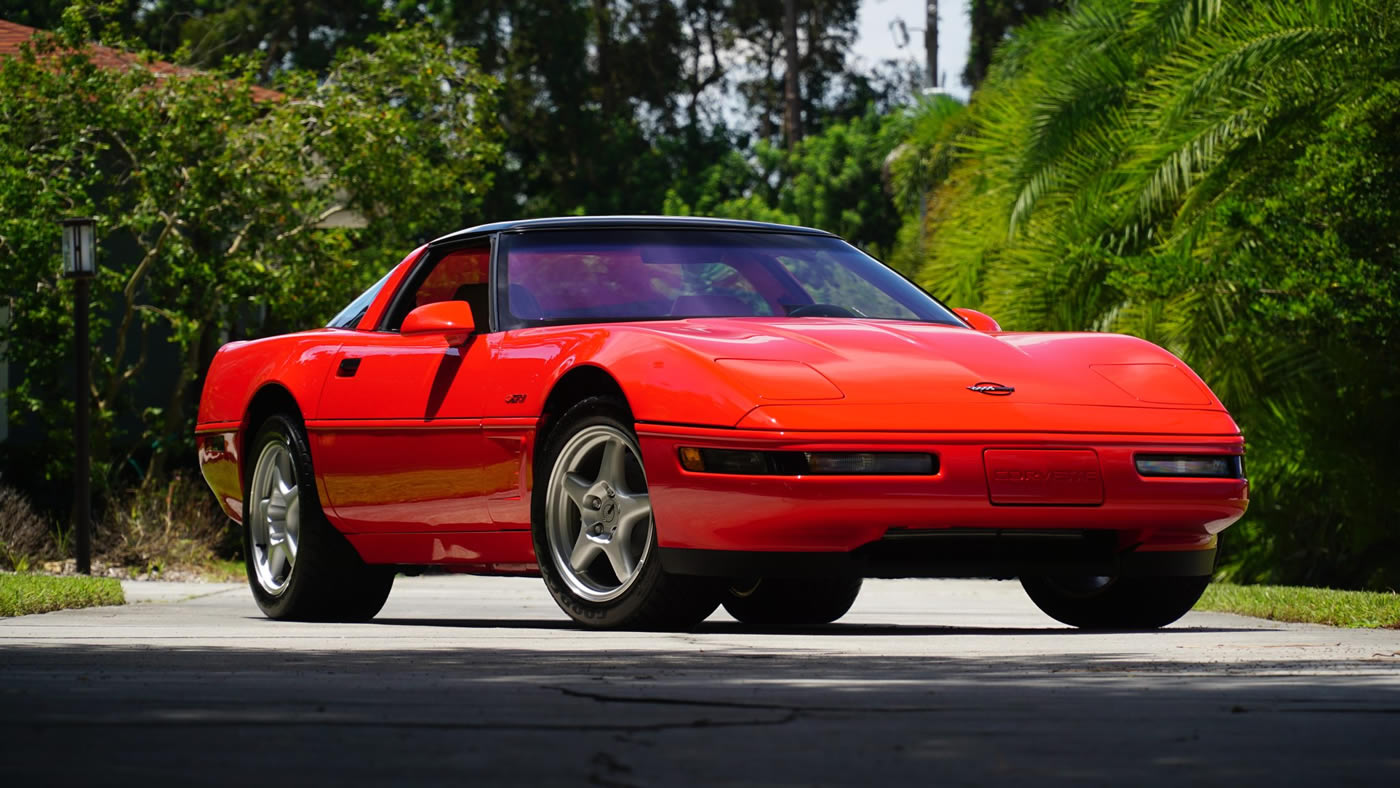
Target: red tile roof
{"x":12,"y":35}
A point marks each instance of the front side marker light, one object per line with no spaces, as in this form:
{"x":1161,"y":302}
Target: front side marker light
{"x":744,"y":463}
{"x":692,"y":459}
{"x":1206,"y":466}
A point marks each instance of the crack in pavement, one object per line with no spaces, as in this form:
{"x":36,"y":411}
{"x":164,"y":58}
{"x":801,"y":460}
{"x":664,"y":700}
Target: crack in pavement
{"x":738,"y":704}
{"x":404,"y":725}
{"x":616,"y":771}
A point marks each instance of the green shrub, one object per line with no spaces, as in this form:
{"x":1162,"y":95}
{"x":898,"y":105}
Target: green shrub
{"x":154,"y":528}
{"x":26,"y":537}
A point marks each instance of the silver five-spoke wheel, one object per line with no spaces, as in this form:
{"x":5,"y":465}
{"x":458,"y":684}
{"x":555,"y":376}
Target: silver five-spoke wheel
{"x":275,"y":519}
{"x":598,"y":513}
{"x":300,"y":567}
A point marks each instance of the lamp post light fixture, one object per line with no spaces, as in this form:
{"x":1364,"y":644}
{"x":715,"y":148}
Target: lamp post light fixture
{"x":80,"y":264}
{"x":79,"y":247}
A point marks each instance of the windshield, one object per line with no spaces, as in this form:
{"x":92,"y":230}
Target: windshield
{"x":614,"y":275}
{"x":350,"y":316}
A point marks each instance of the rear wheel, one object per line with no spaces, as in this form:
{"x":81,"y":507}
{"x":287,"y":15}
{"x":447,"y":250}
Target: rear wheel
{"x":1115,"y":602}
{"x":594,"y":535}
{"x":300,"y":567}
{"x":783,"y":602}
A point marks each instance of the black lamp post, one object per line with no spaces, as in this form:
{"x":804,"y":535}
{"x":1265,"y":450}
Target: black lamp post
{"x":80,"y":264}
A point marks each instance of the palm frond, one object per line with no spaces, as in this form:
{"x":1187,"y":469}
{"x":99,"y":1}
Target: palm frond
{"x":1173,"y":21}
{"x":1185,"y":165}
{"x":1243,"y":64}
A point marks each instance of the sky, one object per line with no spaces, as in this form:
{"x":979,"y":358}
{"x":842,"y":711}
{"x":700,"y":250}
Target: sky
{"x":875,"y":42}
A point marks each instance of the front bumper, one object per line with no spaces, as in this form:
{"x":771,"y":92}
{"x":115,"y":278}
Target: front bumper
{"x":951,"y":552}
{"x":945,"y":522}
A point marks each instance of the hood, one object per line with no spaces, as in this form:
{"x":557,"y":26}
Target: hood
{"x":902,"y":368}
{"x":889,"y":362}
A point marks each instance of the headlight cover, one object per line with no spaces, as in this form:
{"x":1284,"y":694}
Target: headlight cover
{"x":1159,"y":384}
{"x":777,"y":380}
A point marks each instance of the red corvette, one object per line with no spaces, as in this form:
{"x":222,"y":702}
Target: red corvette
{"x":662,"y":415}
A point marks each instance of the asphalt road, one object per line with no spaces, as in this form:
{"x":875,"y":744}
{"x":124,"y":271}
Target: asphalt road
{"x":482,"y":680}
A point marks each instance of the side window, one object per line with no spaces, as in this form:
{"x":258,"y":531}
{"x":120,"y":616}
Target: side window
{"x":454,"y":275}
{"x":459,"y":275}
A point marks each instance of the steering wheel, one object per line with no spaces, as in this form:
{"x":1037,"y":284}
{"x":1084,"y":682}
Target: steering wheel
{"x":822,"y":310}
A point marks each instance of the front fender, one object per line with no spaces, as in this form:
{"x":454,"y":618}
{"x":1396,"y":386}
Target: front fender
{"x":668,"y":382}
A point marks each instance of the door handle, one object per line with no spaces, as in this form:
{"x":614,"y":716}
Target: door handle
{"x":348,"y":367}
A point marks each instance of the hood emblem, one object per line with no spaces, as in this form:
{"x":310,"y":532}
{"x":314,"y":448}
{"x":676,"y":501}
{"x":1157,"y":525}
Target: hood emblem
{"x":993,"y":389}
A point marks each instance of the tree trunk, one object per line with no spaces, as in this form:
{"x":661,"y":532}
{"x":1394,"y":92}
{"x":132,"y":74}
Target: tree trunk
{"x":602,"y":23}
{"x":931,"y":42}
{"x":792,"y":99}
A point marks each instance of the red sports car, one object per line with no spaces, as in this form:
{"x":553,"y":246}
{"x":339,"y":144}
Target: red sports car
{"x":662,"y":415}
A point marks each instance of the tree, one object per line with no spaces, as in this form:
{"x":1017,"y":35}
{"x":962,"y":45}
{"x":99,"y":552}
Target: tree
{"x":831,"y":180}
{"x":211,"y":206}
{"x":607,"y":103}
{"x":1213,"y":176}
{"x":33,"y":13}
{"x":824,"y":32}
{"x":284,"y":34}
{"x":991,"y":22}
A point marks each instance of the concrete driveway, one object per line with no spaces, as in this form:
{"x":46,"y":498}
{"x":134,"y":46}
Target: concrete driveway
{"x":483,"y":681}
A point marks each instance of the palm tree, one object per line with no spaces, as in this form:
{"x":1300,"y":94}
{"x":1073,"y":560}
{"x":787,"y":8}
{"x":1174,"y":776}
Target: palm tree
{"x":1106,"y":176}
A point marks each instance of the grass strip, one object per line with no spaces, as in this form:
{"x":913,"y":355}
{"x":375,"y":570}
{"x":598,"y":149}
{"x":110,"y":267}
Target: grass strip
{"x":1357,"y":609}
{"x":223,"y":570}
{"x":22,"y":594}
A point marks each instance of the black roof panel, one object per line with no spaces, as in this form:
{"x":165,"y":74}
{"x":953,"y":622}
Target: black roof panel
{"x":606,"y":222}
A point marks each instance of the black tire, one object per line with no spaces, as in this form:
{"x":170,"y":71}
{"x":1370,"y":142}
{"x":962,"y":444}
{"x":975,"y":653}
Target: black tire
{"x":327,"y":580}
{"x":648,"y":598}
{"x":784,"y":602}
{"x":1115,"y":603}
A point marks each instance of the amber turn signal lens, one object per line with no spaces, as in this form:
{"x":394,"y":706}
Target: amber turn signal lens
{"x":692,"y":459}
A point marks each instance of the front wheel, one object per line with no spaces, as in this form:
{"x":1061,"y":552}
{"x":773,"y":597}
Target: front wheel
{"x":299,"y":567}
{"x":781,"y":602}
{"x":1115,"y":602}
{"x":594,"y":535}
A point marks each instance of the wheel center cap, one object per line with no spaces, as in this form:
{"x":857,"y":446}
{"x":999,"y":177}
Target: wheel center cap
{"x":609,"y":510}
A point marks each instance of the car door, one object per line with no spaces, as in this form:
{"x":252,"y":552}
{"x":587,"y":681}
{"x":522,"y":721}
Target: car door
{"x":400,"y":446}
